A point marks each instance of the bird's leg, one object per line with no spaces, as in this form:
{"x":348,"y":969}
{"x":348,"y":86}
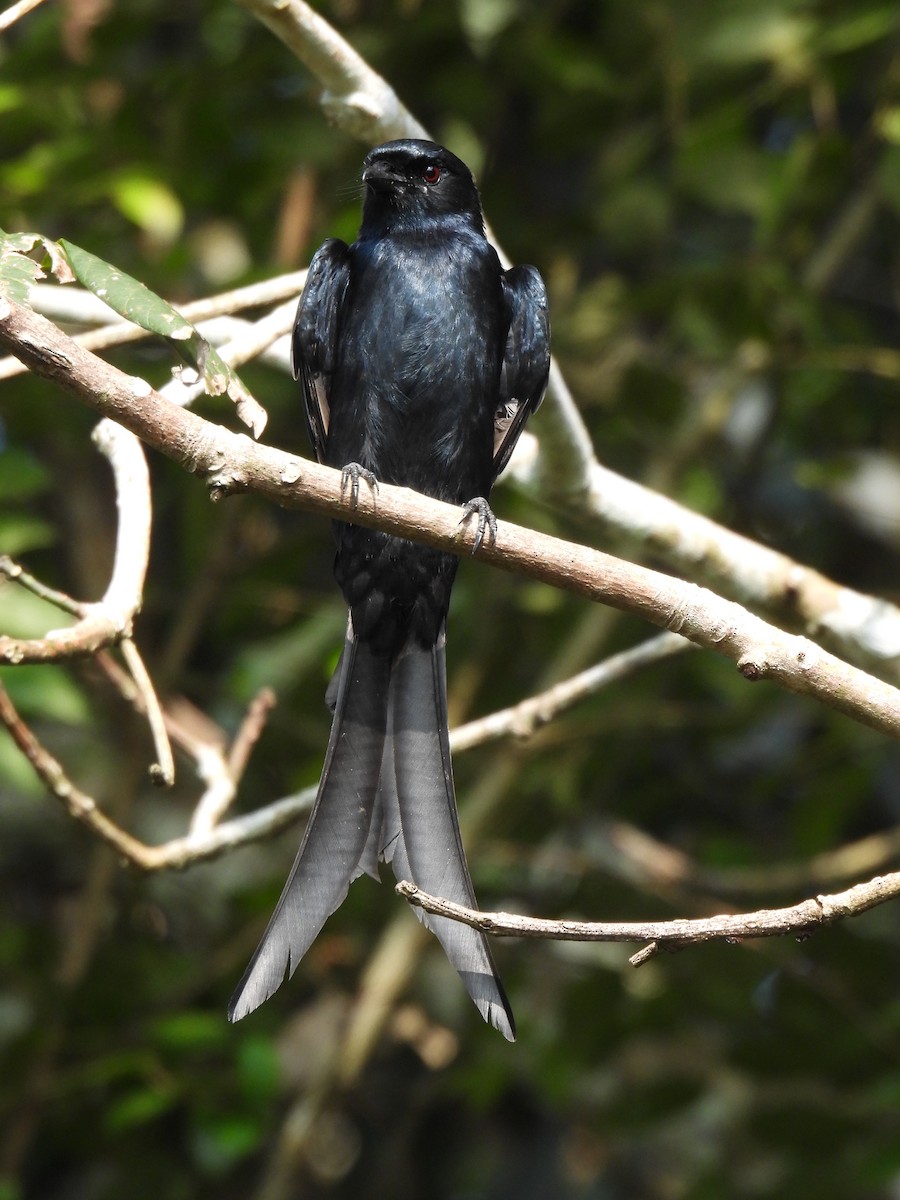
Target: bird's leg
{"x":486,"y":521}
{"x":351,"y":475}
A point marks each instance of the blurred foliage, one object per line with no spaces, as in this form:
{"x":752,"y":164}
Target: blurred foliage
{"x":712,"y":190}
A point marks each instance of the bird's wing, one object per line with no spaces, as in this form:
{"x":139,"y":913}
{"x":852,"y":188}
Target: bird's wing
{"x":419,"y":833}
{"x":338,"y":829}
{"x":526,"y":361}
{"x":314,"y":341}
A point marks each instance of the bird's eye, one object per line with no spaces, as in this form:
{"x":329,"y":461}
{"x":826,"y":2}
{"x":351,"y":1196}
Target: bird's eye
{"x":431,"y":173}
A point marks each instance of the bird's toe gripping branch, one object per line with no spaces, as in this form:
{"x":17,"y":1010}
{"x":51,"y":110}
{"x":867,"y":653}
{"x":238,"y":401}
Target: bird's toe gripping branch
{"x":351,"y":474}
{"x":487,"y":522}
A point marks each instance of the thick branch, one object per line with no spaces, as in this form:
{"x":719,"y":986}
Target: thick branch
{"x":232,"y":462}
{"x":866,"y":626}
{"x":356,"y":98}
{"x":362,"y":103}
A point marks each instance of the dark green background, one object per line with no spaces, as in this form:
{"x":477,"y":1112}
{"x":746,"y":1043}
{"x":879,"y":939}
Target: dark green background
{"x":711,"y":191}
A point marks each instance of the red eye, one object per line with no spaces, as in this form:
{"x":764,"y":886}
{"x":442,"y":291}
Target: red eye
{"x":432,"y":173}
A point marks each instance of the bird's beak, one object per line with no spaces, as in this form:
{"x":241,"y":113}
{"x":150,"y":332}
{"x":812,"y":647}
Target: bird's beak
{"x":380,"y":176}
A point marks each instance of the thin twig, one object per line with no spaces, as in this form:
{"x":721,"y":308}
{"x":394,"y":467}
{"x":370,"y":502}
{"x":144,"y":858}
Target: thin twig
{"x":16,"y":11}
{"x":797,"y":919}
{"x":217,"y":797}
{"x":162,"y":772}
{"x":75,"y":305}
{"x":111,"y":619}
{"x":208,"y":838}
{"x":250,"y":731}
{"x":79,"y":805}
{"x":16,"y":572}
{"x":524,"y":719}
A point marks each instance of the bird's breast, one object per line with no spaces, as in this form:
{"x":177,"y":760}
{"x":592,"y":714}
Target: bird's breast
{"x":417,"y":382}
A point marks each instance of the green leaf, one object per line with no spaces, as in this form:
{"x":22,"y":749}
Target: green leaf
{"x":44,"y":690}
{"x":11,"y":97}
{"x":222,"y":1141}
{"x":258,"y":1069}
{"x":133,"y":300}
{"x":22,"y":476}
{"x":127,"y":296}
{"x":841,"y":34}
{"x":20,"y":270}
{"x":757,"y":33}
{"x":189,"y":1030}
{"x":139,"y":1107}
{"x":149,"y":203}
{"x":20,"y":532}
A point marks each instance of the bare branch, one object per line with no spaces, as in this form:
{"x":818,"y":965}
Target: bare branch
{"x":524,"y":719}
{"x":798,"y":919}
{"x":16,"y":11}
{"x":219,"y":769}
{"x":222,"y":771}
{"x":866,"y":628}
{"x":208,"y":838}
{"x":15,"y":571}
{"x":178,"y":852}
{"x":250,"y":731}
{"x":74,"y":305}
{"x":79,"y":805}
{"x":162,"y":772}
{"x":108,"y":621}
{"x":355,"y":97}
{"x":232,"y":462}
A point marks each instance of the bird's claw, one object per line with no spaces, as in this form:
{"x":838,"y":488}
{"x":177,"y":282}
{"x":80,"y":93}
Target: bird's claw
{"x":487,"y":522}
{"x":351,"y":475}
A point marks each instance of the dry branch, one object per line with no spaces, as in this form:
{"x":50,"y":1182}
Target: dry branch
{"x":797,"y":919}
{"x":109,"y":620}
{"x":231,"y":463}
{"x":867,"y":629}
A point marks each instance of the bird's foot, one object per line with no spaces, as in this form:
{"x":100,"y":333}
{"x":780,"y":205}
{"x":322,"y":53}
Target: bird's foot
{"x":350,"y":477}
{"x":487,"y":522}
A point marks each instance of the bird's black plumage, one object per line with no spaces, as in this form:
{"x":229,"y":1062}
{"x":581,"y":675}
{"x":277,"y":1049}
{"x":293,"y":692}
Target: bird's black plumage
{"x":420,"y":359}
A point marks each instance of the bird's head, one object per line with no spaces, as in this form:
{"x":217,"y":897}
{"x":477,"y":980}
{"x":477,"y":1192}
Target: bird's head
{"x":413,"y":182}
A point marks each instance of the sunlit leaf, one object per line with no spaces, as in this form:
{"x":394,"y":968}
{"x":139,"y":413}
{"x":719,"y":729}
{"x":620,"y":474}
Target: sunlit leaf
{"x":22,"y":475}
{"x":44,"y":690}
{"x":20,"y":268}
{"x":189,"y":1030}
{"x":139,"y":1107}
{"x":132,"y":299}
{"x":149,"y":203}
{"x":21,"y":532}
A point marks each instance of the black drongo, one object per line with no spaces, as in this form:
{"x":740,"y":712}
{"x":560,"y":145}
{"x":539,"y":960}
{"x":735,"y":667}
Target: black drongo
{"x":420,"y":359}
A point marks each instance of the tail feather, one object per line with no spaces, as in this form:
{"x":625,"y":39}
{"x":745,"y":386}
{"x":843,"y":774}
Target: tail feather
{"x":386,"y":792}
{"x":420,"y":828}
{"x":338,"y":828}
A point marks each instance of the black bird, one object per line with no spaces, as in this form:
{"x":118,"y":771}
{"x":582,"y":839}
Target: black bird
{"x":420,"y":359}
